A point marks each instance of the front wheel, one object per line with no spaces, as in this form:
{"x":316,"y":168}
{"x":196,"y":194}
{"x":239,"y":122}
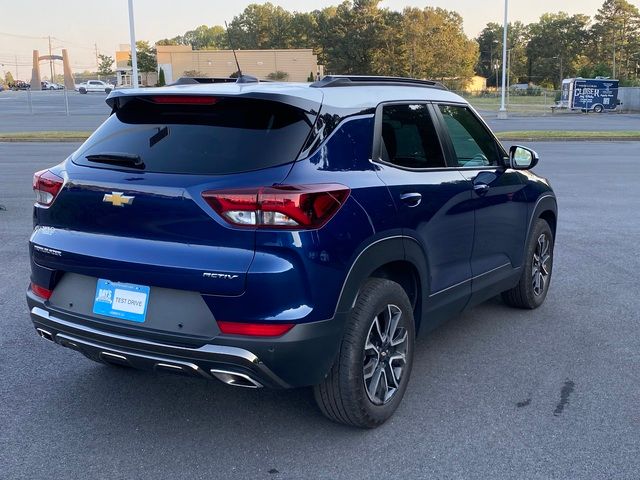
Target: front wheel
{"x":535,"y":279}
{"x":368,"y":379}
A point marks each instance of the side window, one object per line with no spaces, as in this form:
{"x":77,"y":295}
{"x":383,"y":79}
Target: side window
{"x":473,"y":145}
{"x":409,"y":137}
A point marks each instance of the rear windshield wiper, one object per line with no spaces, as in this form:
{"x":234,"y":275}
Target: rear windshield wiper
{"x":122,"y":159}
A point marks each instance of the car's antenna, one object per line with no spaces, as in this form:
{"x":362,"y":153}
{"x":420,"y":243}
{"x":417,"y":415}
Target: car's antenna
{"x":233,"y":49}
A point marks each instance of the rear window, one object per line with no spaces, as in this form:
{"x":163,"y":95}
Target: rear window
{"x":231,"y":135}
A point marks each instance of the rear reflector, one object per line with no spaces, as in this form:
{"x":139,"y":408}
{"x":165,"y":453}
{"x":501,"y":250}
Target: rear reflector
{"x":289,"y":207}
{"x":184,"y":100}
{"x":41,"y":291}
{"x":46,"y":186}
{"x":255,"y":329}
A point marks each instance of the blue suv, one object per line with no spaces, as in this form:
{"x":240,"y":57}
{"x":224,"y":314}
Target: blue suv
{"x":285,"y":235}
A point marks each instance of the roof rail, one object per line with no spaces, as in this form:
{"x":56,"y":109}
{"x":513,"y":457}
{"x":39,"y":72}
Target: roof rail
{"x":355,"y":80}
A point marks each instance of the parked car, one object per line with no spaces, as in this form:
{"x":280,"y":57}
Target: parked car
{"x":20,"y":85}
{"x":94,"y":86}
{"x":51,"y":86}
{"x":285,"y":235}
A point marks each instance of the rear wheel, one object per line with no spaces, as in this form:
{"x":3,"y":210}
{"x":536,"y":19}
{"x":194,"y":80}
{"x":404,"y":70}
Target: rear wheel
{"x":368,"y":380}
{"x":598,"y":109}
{"x":533,"y":286}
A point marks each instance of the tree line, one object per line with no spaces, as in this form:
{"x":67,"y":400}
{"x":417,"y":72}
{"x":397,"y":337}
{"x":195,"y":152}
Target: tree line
{"x":359,"y":37}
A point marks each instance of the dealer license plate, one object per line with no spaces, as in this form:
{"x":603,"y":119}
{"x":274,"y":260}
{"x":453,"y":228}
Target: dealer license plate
{"x":121,"y":300}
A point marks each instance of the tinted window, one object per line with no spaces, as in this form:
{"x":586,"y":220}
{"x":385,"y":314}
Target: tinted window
{"x":232,"y":135}
{"x":409,"y":138}
{"x":473,"y":144}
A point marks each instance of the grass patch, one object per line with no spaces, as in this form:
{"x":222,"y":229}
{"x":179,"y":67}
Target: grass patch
{"x":67,"y":136}
{"x":569,"y":135}
{"x":521,"y":104}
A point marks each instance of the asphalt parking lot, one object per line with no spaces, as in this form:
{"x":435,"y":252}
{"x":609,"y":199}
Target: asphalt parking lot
{"x":495,"y":393}
{"x":88,"y":111}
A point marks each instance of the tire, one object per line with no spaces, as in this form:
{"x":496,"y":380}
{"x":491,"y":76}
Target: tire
{"x":598,"y":109}
{"x":83,"y":91}
{"x":535,"y":279}
{"x":347,"y":395}
{"x":107,"y":90}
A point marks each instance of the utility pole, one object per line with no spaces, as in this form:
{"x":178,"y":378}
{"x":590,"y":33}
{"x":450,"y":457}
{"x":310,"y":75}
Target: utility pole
{"x":95,"y":46}
{"x":614,"y":55}
{"x":17,"y":74}
{"x":509,"y":78}
{"x":502,"y":114}
{"x":134,"y":55}
{"x":50,"y":61}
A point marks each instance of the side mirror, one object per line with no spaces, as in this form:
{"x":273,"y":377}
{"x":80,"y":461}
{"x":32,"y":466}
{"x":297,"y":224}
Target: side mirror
{"x":522,"y":158}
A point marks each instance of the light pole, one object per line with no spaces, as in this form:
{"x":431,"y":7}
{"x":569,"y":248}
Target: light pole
{"x":503,"y":109}
{"x":134,"y":55}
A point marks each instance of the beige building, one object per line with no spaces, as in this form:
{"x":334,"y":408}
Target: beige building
{"x":124,"y":71}
{"x":177,"y":59}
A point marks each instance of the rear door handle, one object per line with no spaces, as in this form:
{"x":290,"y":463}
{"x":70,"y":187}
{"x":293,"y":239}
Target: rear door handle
{"x":411,"y":199}
{"x":481,"y":188}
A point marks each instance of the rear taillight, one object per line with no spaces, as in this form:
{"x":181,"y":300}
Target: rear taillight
{"x":254,"y":329}
{"x":41,"y":291}
{"x":46,"y":186}
{"x":284,"y":207}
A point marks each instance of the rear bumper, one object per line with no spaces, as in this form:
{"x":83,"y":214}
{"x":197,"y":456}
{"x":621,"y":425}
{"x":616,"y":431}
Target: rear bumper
{"x":299,"y":358}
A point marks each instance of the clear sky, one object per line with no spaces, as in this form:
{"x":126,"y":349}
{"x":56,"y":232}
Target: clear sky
{"x":78,"y":25}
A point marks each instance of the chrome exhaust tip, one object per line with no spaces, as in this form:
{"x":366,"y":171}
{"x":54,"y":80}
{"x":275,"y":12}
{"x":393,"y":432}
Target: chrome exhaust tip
{"x":45,"y":334}
{"x":235,"y":379}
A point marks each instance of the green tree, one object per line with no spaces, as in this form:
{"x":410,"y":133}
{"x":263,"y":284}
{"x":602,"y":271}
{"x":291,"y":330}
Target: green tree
{"x":303,"y":29}
{"x":262,"y":26}
{"x":556,"y":45}
{"x":436,"y":45}
{"x":179,"y":40}
{"x":161,"y":80}
{"x":349,"y":36}
{"x":204,"y":37}
{"x":355,"y":37}
{"x":279,"y":76}
{"x":490,"y":44}
{"x":146,"y":59}
{"x":105,"y":65}
{"x":616,"y":37}
{"x":390,"y":56}
{"x":8,"y":78}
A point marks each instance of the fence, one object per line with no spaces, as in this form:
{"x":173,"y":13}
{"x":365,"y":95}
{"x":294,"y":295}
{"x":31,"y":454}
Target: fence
{"x":629,"y":98}
{"x":530,"y":101}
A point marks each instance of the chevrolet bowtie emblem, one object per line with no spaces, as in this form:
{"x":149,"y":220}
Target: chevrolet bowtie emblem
{"x":117,"y":199}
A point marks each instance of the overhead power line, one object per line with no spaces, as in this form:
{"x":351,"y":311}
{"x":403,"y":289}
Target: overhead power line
{"x":22,"y":36}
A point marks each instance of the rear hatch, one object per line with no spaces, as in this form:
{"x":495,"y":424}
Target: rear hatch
{"x":131,"y":208}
